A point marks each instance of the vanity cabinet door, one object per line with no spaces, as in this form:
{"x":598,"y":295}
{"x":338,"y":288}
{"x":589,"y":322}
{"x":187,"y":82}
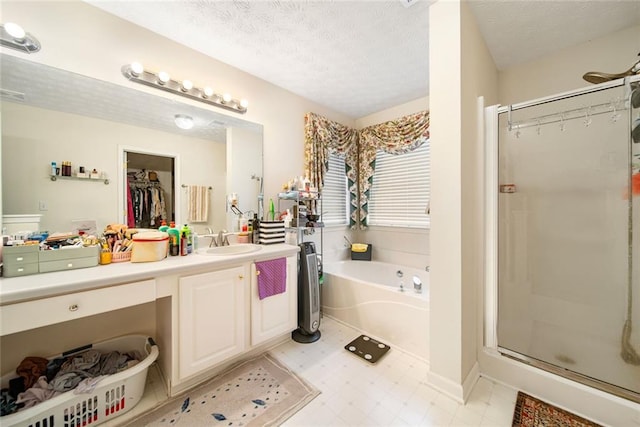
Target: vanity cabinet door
{"x":277,"y":314}
{"x":211,"y":319}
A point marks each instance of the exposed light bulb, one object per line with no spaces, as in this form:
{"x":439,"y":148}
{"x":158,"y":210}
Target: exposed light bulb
{"x":244,"y":103}
{"x":163,"y":77}
{"x":208,"y":92}
{"x":226,"y":97}
{"x":15,"y":31}
{"x":136,"y":68}
{"x":187,"y":85}
{"x":183,"y":121}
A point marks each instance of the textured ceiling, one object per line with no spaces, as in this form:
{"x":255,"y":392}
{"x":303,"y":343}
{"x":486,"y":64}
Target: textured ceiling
{"x":360,"y":57}
{"x":356,"y":57}
{"x":54,"y":89}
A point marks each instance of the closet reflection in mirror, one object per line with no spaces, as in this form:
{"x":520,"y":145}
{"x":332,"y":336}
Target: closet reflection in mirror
{"x":51,"y":115}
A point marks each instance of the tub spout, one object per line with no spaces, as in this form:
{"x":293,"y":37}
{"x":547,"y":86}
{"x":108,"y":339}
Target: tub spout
{"x":417,"y":284}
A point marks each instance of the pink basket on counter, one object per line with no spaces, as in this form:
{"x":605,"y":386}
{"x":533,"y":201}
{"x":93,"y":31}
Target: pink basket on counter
{"x":121,"y":256}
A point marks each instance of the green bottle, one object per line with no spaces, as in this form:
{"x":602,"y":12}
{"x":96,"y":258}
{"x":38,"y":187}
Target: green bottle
{"x":186,"y":232}
{"x":272,"y":211}
{"x":174,"y":239}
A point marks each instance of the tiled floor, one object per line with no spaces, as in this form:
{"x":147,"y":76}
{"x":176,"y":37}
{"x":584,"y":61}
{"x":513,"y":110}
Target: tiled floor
{"x":393,"y":392}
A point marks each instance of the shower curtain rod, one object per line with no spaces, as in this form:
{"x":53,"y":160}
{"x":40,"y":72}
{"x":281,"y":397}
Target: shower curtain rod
{"x":573,"y":114}
{"x":570,"y":94}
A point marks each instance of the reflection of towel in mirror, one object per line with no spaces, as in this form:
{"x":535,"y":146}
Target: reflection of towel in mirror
{"x":272,"y":277}
{"x":198,"y":203}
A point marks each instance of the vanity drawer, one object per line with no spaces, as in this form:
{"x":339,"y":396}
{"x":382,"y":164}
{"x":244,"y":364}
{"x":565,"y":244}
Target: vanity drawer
{"x":34,"y":314}
{"x":67,"y":264}
{"x":19,"y":258}
{"x":19,"y":269}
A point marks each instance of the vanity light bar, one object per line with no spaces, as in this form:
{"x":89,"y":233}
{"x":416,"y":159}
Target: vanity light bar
{"x":136,"y":73}
{"x":13,"y":36}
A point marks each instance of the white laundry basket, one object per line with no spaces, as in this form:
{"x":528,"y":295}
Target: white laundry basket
{"x":113,"y":395}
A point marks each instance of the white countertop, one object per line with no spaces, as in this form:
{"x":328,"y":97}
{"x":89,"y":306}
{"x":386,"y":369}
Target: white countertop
{"x":17,"y":289}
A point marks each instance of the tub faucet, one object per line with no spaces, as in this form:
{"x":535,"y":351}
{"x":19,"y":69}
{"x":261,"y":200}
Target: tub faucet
{"x":417,"y":284}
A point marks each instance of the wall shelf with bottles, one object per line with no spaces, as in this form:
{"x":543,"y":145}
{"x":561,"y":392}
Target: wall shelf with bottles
{"x":79,"y":178}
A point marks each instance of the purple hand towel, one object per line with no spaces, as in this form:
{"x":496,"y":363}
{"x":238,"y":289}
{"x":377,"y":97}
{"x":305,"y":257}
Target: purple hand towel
{"x":272,"y":279}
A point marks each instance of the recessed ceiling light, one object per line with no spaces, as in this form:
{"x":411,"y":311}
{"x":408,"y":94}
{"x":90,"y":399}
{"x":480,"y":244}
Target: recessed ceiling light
{"x":183,"y":121}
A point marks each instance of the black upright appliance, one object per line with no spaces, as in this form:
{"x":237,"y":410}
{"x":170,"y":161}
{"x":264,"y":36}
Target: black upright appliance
{"x":308,"y":296}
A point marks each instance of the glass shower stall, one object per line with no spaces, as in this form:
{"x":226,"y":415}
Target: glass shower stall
{"x":568,"y":235}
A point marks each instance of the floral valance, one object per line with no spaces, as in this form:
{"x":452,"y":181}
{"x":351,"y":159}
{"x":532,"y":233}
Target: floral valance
{"x":324,"y":136}
{"x":395,"y":137}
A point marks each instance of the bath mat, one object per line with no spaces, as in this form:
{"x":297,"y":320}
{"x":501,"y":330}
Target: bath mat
{"x":367,"y":348}
{"x":532,"y":412}
{"x":258,"y":392}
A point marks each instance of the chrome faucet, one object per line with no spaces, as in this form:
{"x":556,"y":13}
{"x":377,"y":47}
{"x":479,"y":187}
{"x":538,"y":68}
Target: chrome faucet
{"x":417,"y":284}
{"x":223,"y":239}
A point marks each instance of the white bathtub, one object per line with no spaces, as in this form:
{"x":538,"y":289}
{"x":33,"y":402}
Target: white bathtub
{"x":367,"y":296}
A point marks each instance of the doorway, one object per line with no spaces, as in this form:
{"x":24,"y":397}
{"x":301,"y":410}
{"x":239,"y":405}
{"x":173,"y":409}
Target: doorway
{"x":149,"y":188}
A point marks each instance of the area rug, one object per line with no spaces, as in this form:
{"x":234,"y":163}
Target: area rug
{"x":258,"y":392}
{"x":531,"y":412}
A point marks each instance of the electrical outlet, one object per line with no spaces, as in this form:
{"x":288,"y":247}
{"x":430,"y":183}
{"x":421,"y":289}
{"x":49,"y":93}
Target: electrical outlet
{"x":43,"y":205}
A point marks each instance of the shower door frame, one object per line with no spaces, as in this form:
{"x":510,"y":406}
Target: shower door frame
{"x":491,"y":179}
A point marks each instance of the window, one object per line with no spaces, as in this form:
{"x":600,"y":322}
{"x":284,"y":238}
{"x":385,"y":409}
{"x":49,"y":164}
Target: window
{"x":401,"y":188}
{"x":335,"y":197}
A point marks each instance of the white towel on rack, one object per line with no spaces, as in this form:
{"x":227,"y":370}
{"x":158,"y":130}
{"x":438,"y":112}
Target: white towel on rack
{"x":198,"y":203}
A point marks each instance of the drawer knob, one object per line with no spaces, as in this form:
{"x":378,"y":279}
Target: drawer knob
{"x":73,"y":307}
{"x":240,"y":276}
{"x":70,"y":265}
{"x":20,"y":258}
{"x":20,"y":270}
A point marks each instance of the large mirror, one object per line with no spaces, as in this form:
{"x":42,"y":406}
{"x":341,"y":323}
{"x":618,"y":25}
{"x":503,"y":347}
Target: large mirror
{"x":51,"y":115}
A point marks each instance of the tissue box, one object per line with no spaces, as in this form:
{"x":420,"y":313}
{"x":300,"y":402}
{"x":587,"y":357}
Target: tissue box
{"x":150,"y":246}
{"x":361,"y":251}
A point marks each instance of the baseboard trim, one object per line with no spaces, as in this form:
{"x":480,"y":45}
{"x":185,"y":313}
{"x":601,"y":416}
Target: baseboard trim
{"x":459,"y":392}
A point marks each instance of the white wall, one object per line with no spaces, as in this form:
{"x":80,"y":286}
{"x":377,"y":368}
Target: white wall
{"x":461,"y":70}
{"x":445,"y":326}
{"x":563,"y":70}
{"x":78,"y":37}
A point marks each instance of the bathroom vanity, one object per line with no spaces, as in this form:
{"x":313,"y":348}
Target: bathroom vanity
{"x":207,"y":310}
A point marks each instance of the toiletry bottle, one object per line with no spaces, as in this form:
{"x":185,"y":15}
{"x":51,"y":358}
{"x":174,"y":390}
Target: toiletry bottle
{"x":194,"y":239}
{"x":183,"y":244}
{"x":272,"y":211}
{"x":163,"y":226}
{"x":53,"y":168}
{"x":256,"y":229}
{"x":186,"y":232}
{"x":174,"y":239}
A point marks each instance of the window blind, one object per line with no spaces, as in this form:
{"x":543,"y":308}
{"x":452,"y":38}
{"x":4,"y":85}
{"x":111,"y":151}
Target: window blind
{"x":334,"y":193}
{"x":401,"y":189}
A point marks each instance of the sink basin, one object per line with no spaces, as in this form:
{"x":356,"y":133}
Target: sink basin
{"x":230,"y":250}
